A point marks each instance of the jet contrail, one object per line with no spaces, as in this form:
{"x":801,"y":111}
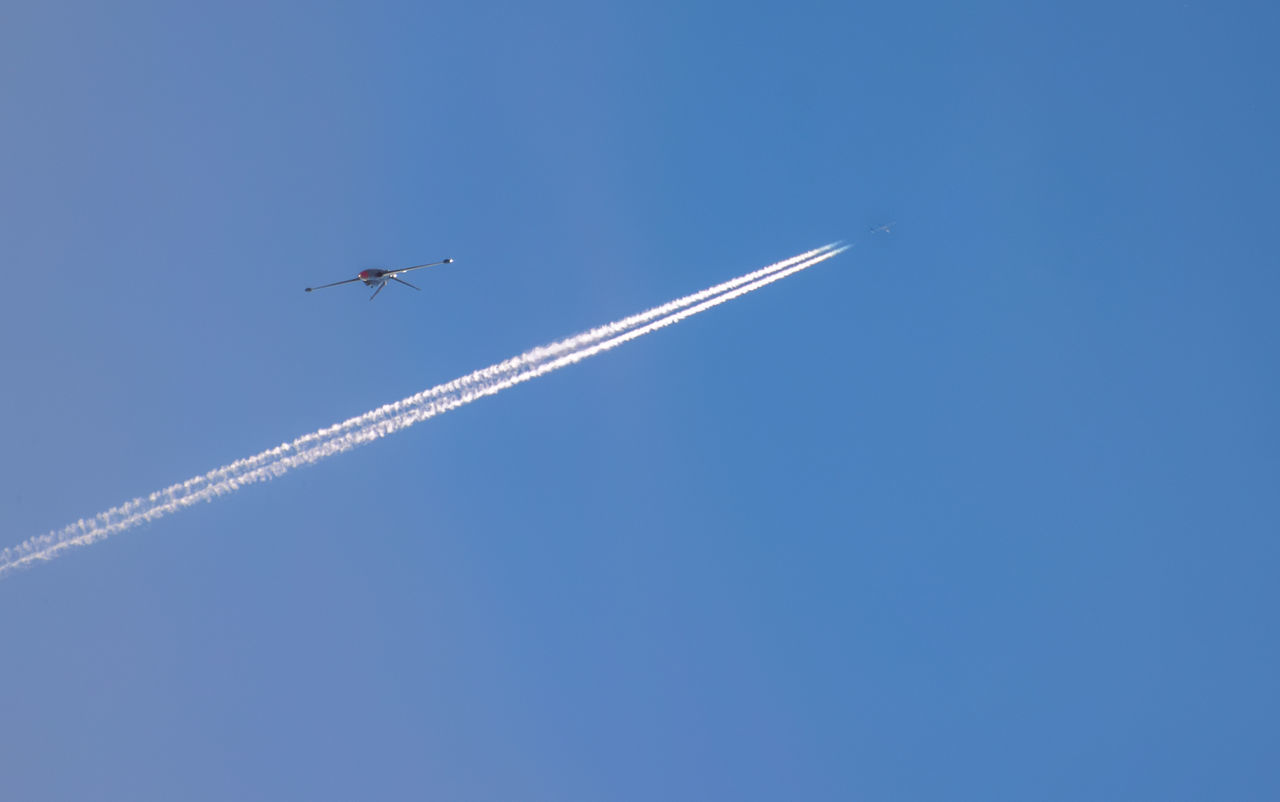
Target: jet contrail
{"x":311,"y":448}
{"x":508,"y":367}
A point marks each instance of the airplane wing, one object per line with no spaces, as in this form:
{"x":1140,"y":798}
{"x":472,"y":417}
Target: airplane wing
{"x":334,"y":284}
{"x":394,"y":273}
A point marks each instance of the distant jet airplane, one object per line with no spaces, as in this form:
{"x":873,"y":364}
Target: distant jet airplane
{"x":379,"y":278}
{"x":885,"y":228}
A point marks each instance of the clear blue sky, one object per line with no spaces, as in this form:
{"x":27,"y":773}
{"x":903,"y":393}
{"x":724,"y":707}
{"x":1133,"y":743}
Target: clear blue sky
{"x":982,"y":509}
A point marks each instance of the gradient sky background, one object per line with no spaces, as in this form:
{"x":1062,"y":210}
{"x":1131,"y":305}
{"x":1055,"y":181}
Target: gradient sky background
{"x":985,"y":508}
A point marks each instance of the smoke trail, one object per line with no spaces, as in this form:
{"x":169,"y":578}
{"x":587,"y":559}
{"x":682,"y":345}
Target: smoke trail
{"x":311,"y":448}
{"x":511,"y":366}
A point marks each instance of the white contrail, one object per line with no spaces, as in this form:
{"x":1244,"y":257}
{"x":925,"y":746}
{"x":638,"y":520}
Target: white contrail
{"x":311,"y":448}
{"x":508,"y":367}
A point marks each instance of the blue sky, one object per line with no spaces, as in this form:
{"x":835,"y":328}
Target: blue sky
{"x":984,"y":508}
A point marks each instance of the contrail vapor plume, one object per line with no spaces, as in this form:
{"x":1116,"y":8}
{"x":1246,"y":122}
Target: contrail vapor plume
{"x":385,"y":420}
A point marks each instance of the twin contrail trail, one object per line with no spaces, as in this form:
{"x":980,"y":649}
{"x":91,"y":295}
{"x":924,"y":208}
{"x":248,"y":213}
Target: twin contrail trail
{"x":385,"y":420}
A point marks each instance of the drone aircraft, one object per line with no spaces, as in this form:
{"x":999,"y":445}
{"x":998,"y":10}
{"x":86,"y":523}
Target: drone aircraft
{"x":379,"y":278}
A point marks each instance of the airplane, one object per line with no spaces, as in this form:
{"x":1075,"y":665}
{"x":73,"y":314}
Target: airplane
{"x":885,"y":228}
{"x":379,"y":278}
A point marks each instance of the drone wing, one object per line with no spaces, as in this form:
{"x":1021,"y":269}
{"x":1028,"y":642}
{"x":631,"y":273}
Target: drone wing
{"x":394,"y":273}
{"x":334,"y":284}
